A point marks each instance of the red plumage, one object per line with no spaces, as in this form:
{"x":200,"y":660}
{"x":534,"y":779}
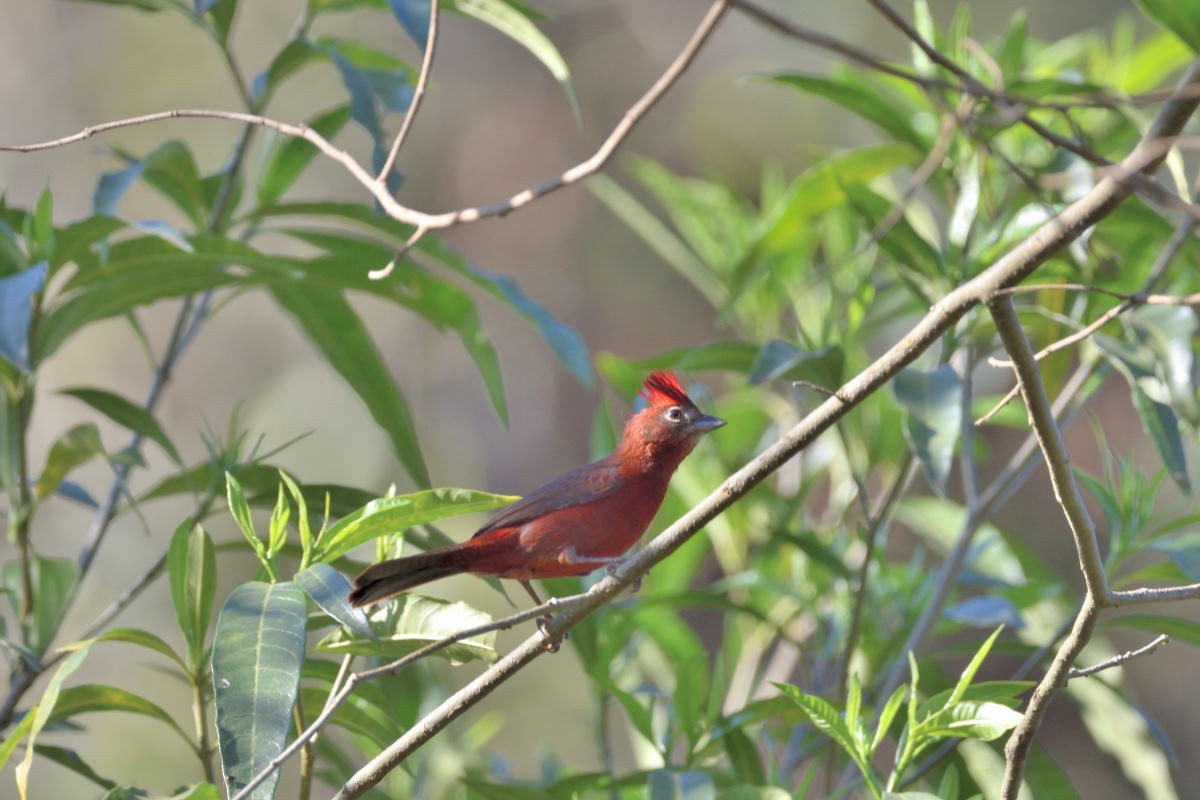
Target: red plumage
{"x":584,"y":519}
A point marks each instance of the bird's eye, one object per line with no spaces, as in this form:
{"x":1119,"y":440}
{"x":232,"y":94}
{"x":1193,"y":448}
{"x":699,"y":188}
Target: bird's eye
{"x":674,"y":414}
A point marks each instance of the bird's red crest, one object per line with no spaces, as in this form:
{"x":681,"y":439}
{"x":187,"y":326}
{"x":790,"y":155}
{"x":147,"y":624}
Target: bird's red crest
{"x":661,"y":388}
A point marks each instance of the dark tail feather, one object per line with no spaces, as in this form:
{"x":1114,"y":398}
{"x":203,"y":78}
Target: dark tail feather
{"x":401,"y":574}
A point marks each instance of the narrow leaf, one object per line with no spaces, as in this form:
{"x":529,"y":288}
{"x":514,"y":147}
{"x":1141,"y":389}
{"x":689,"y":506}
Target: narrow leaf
{"x":192,"y":572}
{"x":126,"y":414}
{"x":392,"y":514}
{"x":337,"y":331}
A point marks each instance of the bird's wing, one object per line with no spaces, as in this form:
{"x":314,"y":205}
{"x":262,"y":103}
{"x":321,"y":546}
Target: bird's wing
{"x":575,"y":488}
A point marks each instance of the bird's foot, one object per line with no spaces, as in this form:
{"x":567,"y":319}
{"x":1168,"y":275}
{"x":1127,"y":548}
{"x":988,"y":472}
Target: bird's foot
{"x":612,"y":568}
{"x":551,"y":645}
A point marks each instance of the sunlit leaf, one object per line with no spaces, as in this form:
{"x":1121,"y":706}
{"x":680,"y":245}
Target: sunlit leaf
{"x":392,"y":514}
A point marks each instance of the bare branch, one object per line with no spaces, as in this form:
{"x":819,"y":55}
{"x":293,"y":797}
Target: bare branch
{"x":1183,"y":231}
{"x":1041,"y":417}
{"x":418,"y":93}
{"x":1120,"y":659}
{"x":1165,"y":594}
{"x":379,"y":191}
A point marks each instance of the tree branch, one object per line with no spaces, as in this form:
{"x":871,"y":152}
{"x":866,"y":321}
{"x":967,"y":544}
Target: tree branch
{"x":1121,"y":658}
{"x":431,"y":39}
{"x":379,"y":191}
{"x":1058,"y":461}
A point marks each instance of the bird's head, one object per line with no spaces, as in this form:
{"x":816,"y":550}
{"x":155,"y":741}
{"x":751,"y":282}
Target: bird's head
{"x":669,"y":426}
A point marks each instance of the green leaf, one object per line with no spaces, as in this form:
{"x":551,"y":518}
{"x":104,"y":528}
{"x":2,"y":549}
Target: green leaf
{"x":90,"y":698}
{"x":439,"y":302}
{"x":71,"y":760}
{"x":169,"y":169}
{"x":393,"y":514}
{"x":1180,"y":17}
{"x":658,"y":236}
{"x":888,"y":714}
{"x":277,"y":527}
{"x":134,"y":285}
{"x":291,"y":156}
{"x":75,"y":447}
{"x":192,"y":572}
{"x":337,"y":331}
{"x":258,"y":650}
{"x":240,"y":510}
{"x":563,"y":341}
{"x":41,"y":713}
{"x":18,"y":294}
{"x":779,"y":359}
{"x":136,"y":636}
{"x":933,"y":400}
{"x":511,"y":20}
{"x":410,"y":624}
{"x":302,"y":521}
{"x":1136,"y":365}
{"x":855,"y":95}
{"x":15,"y":735}
{"x":825,"y":716}
{"x":970,"y":720}
{"x":328,"y":588}
{"x":126,"y":414}
{"x":822,"y":188}
{"x":287,"y":62}
{"x":53,"y":581}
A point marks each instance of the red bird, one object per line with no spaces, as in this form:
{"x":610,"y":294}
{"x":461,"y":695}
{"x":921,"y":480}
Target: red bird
{"x":582,"y":520}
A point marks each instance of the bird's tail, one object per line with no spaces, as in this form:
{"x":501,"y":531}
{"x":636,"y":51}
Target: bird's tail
{"x":401,"y":574}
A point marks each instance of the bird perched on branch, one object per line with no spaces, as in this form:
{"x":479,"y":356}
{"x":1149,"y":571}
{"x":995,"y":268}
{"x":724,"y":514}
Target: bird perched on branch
{"x":585,"y":519}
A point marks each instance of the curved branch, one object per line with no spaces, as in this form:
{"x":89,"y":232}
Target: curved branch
{"x":378,"y":189}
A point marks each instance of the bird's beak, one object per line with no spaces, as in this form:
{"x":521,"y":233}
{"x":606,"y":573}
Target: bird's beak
{"x":706,"y":422}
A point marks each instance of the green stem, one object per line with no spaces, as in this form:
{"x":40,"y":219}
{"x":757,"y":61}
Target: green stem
{"x":204,"y":748}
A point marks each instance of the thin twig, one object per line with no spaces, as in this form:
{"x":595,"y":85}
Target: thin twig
{"x":417,"y":234}
{"x":431,"y":40}
{"x":380,"y":193}
{"x":1181,"y":234}
{"x":1120,"y":659}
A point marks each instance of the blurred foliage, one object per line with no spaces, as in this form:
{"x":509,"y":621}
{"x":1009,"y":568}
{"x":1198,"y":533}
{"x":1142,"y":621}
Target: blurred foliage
{"x":765,"y":658}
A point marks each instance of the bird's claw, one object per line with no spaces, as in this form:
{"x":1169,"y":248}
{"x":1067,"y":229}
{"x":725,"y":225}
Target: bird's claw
{"x":612,"y":568}
{"x":551,"y":645}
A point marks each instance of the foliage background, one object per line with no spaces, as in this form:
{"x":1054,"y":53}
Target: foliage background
{"x":494,"y":122}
